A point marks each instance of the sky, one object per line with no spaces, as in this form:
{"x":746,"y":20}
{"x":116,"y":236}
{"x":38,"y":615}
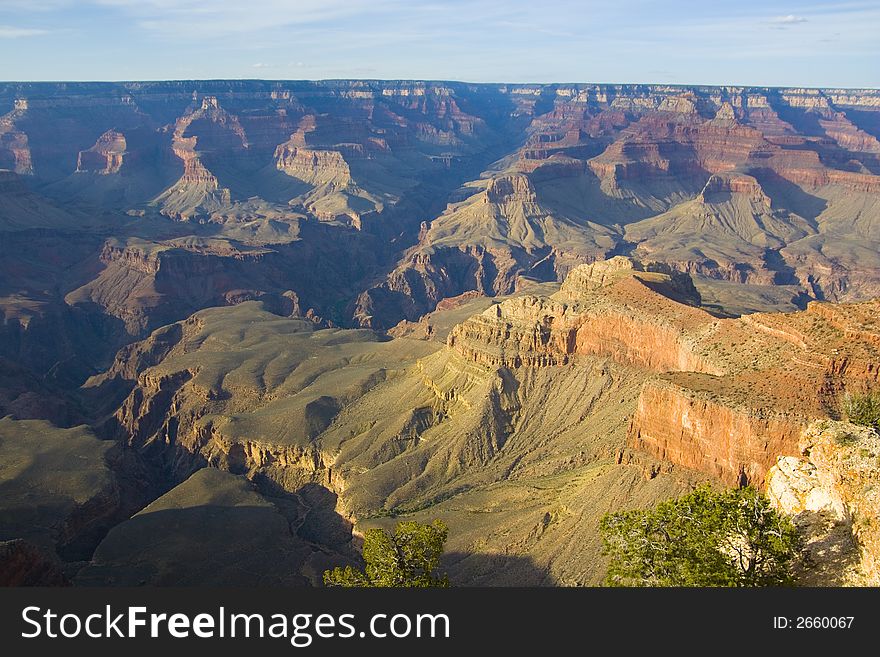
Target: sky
{"x":737,"y":42}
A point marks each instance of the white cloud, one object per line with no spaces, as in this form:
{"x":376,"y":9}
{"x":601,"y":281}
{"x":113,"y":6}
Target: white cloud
{"x":791,"y":19}
{"x":9,"y":32}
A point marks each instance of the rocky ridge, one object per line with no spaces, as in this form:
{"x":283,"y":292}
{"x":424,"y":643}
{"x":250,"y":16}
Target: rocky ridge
{"x":728,"y":395}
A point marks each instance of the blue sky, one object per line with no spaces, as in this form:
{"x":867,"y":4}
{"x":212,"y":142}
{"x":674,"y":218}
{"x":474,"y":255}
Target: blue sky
{"x":769,"y":42}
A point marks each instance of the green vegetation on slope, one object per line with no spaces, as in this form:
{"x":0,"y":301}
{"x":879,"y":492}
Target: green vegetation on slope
{"x":863,"y":409}
{"x":704,"y":538}
{"x":408,"y":558}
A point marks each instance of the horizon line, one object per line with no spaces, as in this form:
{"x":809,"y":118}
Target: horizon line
{"x":447,"y":81}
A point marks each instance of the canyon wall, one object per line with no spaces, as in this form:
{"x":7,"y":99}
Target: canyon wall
{"x":736,"y":445}
{"x":570,"y":262}
{"x":719,"y":397}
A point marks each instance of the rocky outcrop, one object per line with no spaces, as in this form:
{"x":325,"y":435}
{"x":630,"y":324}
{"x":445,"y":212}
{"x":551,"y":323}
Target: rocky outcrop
{"x":633,"y":341}
{"x":741,"y":233}
{"x":830,"y":486}
{"x":684,"y":104}
{"x":737,"y":445}
{"x":725,"y":397}
{"x":735,"y":184}
{"x":786,"y":371}
{"x":847,"y":135}
{"x":805,"y":170}
{"x":581,"y":320}
{"x":198,"y":190}
{"x":498,"y":235}
{"x":178,"y":416}
{"x":313,"y":166}
{"x":105,"y":157}
{"x":427,"y":277}
{"x":596,"y":275}
{"x":532,"y":332}
{"x":138,"y":356}
{"x":163,"y":417}
{"x":656,"y":276}
{"x":146,"y":284}
{"x":15,"y":153}
{"x":518,"y":332}
{"x":656,"y":146}
{"x":504,"y":189}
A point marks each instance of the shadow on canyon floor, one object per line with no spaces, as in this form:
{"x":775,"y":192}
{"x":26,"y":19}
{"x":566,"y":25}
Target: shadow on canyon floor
{"x":478,"y":569}
{"x":218,"y":545}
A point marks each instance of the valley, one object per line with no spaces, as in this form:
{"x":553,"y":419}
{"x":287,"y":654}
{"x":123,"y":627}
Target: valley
{"x":245,"y":321}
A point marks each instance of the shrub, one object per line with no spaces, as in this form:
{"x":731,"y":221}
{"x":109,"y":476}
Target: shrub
{"x":705,"y":538}
{"x":863,"y":408}
{"x":406,"y":558}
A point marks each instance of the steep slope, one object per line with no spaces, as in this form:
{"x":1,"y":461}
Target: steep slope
{"x":520,"y":428}
{"x":106,"y":156}
{"x":148,"y":283}
{"x":62,"y":488}
{"x":499,"y":234}
{"x":198,"y":190}
{"x":15,"y":152}
{"x":307,"y":269}
{"x":333,"y":192}
{"x":740,"y":233}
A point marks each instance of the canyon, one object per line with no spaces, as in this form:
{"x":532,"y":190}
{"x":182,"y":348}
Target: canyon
{"x":245,"y":321}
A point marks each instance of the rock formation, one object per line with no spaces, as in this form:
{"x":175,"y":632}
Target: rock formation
{"x":198,"y":189}
{"x":105,"y":157}
{"x":830,"y":487}
{"x":15,"y":153}
{"x":616,"y":386}
{"x":729,"y":394}
{"x":513,"y":306}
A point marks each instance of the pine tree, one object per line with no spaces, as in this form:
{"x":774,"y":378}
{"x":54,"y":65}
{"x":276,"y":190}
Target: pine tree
{"x":406,"y":558}
{"x":705,"y":538}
